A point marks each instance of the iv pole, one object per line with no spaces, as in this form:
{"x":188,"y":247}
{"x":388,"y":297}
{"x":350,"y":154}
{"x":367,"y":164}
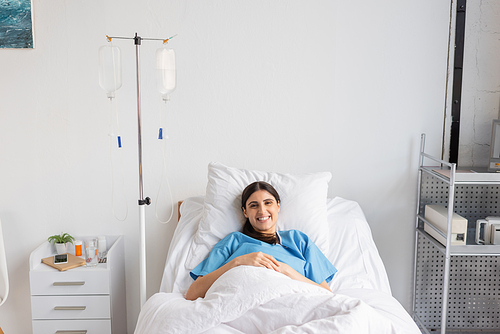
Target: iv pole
{"x":142,"y":201}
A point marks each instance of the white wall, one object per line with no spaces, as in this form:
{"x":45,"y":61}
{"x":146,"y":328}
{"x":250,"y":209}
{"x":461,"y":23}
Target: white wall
{"x":285,"y":86}
{"x":481,"y":82}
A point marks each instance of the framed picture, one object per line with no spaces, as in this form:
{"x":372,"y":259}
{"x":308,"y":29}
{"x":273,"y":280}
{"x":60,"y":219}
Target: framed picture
{"x":16,"y":24}
{"x":495,"y":147}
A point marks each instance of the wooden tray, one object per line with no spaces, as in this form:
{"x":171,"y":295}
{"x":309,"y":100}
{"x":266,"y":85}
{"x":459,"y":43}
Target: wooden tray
{"x":73,"y":262}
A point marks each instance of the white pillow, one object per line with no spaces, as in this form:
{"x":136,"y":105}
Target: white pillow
{"x":303,"y":206}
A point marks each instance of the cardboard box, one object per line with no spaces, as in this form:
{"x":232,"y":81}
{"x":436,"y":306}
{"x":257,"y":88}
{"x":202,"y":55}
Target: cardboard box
{"x":437,"y":215}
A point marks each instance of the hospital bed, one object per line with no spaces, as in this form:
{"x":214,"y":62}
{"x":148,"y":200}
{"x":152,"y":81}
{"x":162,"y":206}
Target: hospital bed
{"x":258,"y":300}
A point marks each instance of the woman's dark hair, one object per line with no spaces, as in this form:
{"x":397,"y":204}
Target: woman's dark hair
{"x":248,"y":228}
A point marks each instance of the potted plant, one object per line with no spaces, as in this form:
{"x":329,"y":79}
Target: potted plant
{"x":60,"y":241}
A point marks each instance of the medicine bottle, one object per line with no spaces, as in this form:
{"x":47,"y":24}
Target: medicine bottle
{"x":78,"y":248}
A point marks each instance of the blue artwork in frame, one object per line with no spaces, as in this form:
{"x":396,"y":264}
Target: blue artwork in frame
{"x":16,"y":24}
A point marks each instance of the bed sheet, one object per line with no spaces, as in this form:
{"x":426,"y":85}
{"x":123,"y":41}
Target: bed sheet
{"x":256,"y":300}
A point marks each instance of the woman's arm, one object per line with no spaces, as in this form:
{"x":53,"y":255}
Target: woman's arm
{"x":293,"y":274}
{"x":201,"y":285}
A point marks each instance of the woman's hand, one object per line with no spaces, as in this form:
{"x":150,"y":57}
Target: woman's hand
{"x":289,"y":271}
{"x":293,"y":274}
{"x":258,"y":259}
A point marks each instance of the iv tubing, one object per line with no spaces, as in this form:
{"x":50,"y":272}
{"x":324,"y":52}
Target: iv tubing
{"x":112,"y":165}
{"x":164,"y":169}
{"x":116,"y":109}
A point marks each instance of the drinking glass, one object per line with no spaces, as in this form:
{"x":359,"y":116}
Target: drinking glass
{"x":91,"y":253}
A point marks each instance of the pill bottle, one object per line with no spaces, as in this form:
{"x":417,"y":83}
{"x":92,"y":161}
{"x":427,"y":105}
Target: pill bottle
{"x":78,"y":248}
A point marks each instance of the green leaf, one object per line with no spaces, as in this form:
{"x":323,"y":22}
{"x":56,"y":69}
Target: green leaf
{"x":62,"y":238}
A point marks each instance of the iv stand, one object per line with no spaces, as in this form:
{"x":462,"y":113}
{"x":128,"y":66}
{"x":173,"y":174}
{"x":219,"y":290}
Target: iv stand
{"x":142,"y":201}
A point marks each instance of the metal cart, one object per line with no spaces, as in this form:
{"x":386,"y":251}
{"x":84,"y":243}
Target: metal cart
{"x":456,"y":287}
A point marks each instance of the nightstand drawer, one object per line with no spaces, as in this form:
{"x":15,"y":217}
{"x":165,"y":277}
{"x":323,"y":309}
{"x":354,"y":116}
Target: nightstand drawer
{"x":72,"y":326}
{"x":71,"y":282}
{"x":70,"y":307}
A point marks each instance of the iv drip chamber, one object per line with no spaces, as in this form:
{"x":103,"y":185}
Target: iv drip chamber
{"x":110,"y":69}
{"x":165,"y":71}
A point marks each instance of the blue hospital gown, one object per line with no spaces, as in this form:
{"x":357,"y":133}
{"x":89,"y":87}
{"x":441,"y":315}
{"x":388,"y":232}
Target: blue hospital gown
{"x":295,"y":249}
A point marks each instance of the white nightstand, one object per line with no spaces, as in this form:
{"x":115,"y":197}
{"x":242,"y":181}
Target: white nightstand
{"x":80,"y":300}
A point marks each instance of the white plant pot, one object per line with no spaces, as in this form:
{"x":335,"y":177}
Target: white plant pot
{"x":61,"y":248}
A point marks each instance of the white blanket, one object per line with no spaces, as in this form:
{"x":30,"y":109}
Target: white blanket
{"x":258,"y":300}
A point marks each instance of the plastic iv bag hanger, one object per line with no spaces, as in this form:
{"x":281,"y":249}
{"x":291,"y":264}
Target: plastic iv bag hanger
{"x":110,"y":71}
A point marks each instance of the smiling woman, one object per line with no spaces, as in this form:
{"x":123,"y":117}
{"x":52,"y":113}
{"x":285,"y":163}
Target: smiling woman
{"x":290,"y":253}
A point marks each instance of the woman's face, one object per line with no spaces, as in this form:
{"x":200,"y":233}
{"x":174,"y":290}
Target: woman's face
{"x":262,"y":211}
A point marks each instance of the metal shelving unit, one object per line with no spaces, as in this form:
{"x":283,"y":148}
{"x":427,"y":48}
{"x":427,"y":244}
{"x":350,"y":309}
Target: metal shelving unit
{"x":456,"y":288}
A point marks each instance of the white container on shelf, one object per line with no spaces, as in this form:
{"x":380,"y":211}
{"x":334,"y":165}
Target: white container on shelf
{"x":437,"y":215}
